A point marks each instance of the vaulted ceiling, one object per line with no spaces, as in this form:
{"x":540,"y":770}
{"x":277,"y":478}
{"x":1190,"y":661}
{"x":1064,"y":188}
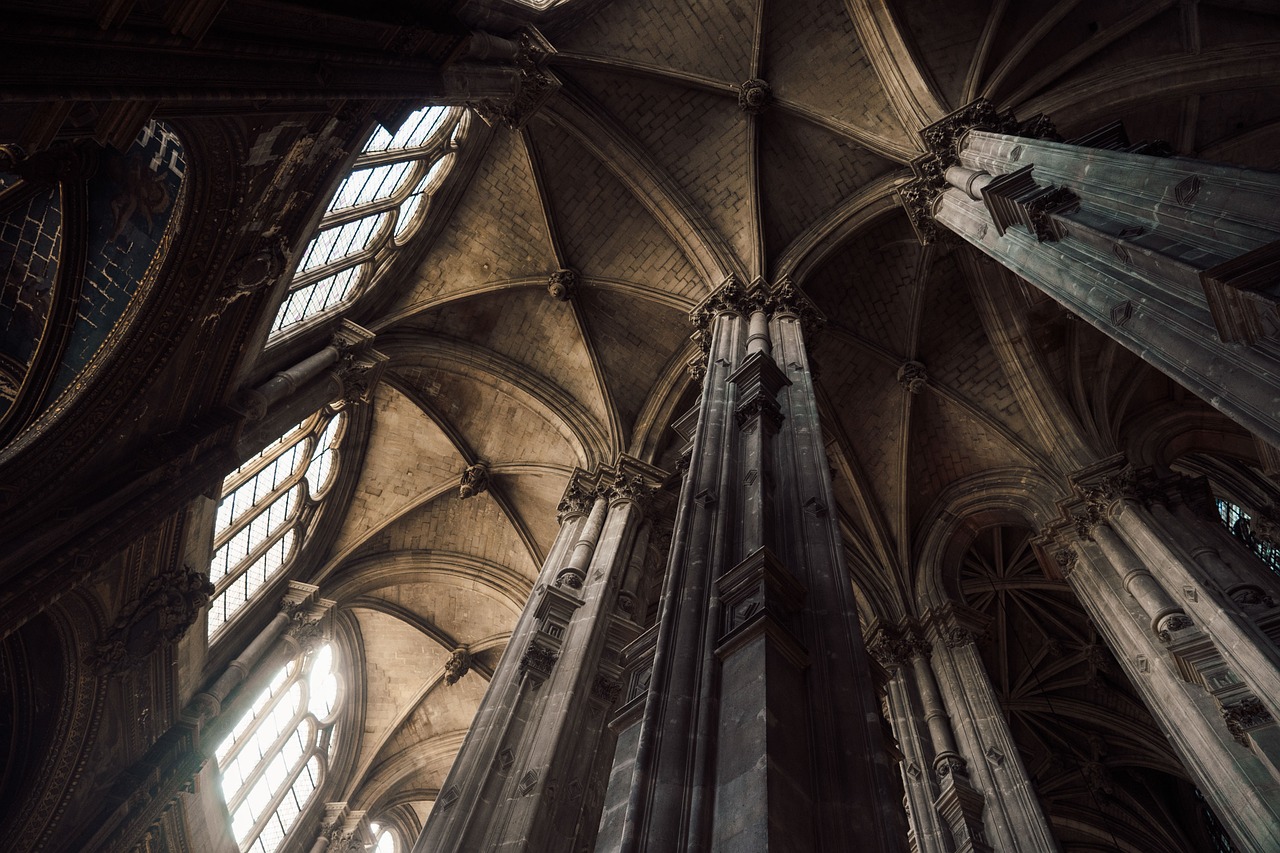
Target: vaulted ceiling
{"x":646,"y":177}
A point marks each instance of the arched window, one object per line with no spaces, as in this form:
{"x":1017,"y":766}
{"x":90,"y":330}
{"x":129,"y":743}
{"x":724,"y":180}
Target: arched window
{"x":385,"y":839}
{"x":1241,"y":526}
{"x":264,"y":511}
{"x":276,"y":757}
{"x":379,"y":204}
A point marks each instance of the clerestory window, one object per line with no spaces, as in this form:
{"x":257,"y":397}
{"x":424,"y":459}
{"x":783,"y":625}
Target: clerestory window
{"x":1240,"y":524}
{"x":276,"y":757}
{"x":266,"y":504}
{"x":385,"y":839}
{"x":380,"y":203}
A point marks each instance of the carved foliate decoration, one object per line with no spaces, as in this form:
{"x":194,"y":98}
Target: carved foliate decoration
{"x":1170,"y":623}
{"x":1251,"y":596}
{"x":760,"y":407}
{"x":458,"y":665}
{"x":563,"y":284}
{"x":633,"y":488}
{"x":475,"y":479}
{"x":941,"y":141}
{"x":538,"y":661}
{"x":894,"y":647}
{"x":1240,"y":717}
{"x":912,"y":376}
{"x":786,"y":298}
{"x":577,"y":500}
{"x":606,"y":689}
{"x":754,"y":96}
{"x":1066,"y":560}
{"x":163,"y":611}
{"x":535,"y":84}
{"x":729,"y":296}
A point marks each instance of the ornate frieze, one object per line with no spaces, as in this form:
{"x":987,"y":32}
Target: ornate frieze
{"x":163,"y":611}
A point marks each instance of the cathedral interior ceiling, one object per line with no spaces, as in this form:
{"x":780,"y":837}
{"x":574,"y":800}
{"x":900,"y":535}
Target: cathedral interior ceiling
{"x":648,"y":178}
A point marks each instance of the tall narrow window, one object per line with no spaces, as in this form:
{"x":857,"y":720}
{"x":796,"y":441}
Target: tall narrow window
{"x":1241,"y":526}
{"x":264,"y":510}
{"x":276,"y":757}
{"x":380,"y":203}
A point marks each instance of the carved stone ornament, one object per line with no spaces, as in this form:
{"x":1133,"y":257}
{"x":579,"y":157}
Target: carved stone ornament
{"x":633,"y":488}
{"x":563,"y":284}
{"x":448,"y":798}
{"x":458,"y":665}
{"x":894,"y":647}
{"x":729,"y":296}
{"x":1066,"y":559}
{"x":787,"y":299}
{"x":307,"y":628}
{"x":941,"y":141}
{"x":571,"y":577}
{"x":1244,"y":715}
{"x":754,"y":96}
{"x":535,"y":85}
{"x":1170,"y":623}
{"x":576,"y":501}
{"x":258,"y":269}
{"x":912,"y":377}
{"x":949,"y":764}
{"x":475,"y":479}
{"x":760,"y":407}
{"x":606,"y":689}
{"x":163,"y":611}
{"x":1251,"y":597}
{"x":1016,"y":199}
{"x":538,"y":661}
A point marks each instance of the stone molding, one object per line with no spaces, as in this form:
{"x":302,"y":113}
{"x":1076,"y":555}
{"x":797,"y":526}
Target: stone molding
{"x":162,"y":612}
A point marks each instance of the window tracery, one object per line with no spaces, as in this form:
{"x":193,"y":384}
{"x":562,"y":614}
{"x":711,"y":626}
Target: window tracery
{"x":276,"y":756}
{"x":385,"y":839}
{"x":264,"y":508}
{"x":380,"y":203}
{"x":1240,"y":523}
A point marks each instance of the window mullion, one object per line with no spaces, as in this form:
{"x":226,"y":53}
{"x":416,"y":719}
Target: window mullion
{"x":247,"y":735}
{"x":262,"y":504}
{"x":261,"y":767}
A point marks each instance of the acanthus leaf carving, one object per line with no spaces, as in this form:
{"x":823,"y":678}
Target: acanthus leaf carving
{"x":163,"y":611}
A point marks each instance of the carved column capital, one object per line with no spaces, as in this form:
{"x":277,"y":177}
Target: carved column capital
{"x":894,"y":646}
{"x":942,"y":141}
{"x":534,"y":84}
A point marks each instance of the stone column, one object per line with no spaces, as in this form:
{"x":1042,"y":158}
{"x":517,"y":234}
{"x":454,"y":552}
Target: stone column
{"x":1236,"y":780}
{"x":1240,"y":663}
{"x":1170,"y":256}
{"x":1013,"y":817}
{"x":760,"y":725}
{"x":529,"y":770}
{"x":926,"y":831}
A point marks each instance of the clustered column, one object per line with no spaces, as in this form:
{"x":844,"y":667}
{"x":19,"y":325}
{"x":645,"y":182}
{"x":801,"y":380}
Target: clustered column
{"x":1172,"y":257}
{"x":531,"y":772}
{"x":752,"y":722}
{"x":1204,"y":668}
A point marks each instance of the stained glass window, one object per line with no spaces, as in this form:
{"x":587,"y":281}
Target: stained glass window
{"x":1240,"y":524}
{"x":380,"y":203}
{"x":257,"y":530}
{"x":277,"y":754}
